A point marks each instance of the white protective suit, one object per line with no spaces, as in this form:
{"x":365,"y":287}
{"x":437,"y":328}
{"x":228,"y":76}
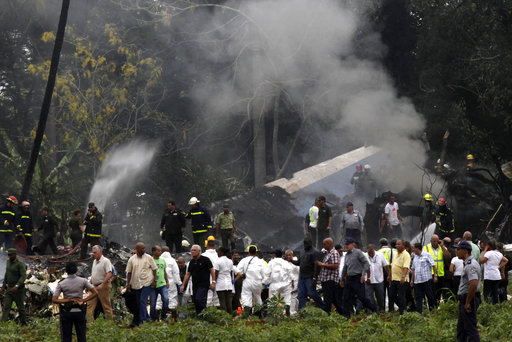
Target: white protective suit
{"x":254,"y":270}
{"x":278,"y":275}
{"x":213,"y":298}
{"x":294,"y":303}
{"x":173,"y":275}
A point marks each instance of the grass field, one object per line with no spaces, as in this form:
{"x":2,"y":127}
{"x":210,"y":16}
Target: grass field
{"x":440,"y":325}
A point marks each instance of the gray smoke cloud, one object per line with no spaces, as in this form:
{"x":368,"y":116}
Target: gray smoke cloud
{"x":307,"y":51}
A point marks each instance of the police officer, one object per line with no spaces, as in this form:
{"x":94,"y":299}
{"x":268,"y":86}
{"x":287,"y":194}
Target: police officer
{"x":72,"y":307}
{"x":352,"y":224}
{"x":468,"y":295}
{"x":7,"y":216}
{"x":14,"y":286}
{"x":25,"y":225}
{"x":201,"y":221}
{"x":93,"y":222}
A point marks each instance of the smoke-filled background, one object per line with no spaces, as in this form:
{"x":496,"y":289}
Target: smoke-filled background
{"x":241,"y":93}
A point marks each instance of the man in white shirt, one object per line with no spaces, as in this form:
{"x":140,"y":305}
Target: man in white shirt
{"x":390,"y":225}
{"x":278,"y":275}
{"x":173,"y":276}
{"x":252,"y":269}
{"x":375,"y":277}
{"x":294,"y":301}
{"x":224,"y":274}
{"x":211,"y":253}
{"x":100,"y":278}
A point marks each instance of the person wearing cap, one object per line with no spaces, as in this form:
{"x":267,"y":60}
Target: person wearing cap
{"x":252,"y":270}
{"x":201,"y":221}
{"x":445,"y":224}
{"x":49,"y":229}
{"x":7,"y":219}
{"x":468,"y":295}
{"x":14,"y":286}
{"x":391,"y":220}
{"x":428,"y":215}
{"x":25,"y":225}
{"x":324,"y":221}
{"x":92,"y":234}
{"x":352,"y":223}
{"x":173,"y":226}
{"x":225,"y":222}
{"x":353,"y":278}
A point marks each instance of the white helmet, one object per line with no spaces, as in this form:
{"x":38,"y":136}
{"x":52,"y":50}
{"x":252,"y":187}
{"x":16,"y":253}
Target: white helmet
{"x":25,"y":203}
{"x":367,"y":167}
{"x":193,"y":201}
{"x":185,"y":243}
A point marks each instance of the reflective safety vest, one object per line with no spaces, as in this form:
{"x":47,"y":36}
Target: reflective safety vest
{"x":313,"y":216}
{"x":388,"y":253}
{"x":438,"y":260}
{"x":201,"y":220}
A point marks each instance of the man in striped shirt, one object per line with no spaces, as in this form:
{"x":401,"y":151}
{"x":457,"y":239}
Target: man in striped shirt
{"x":422,"y":265}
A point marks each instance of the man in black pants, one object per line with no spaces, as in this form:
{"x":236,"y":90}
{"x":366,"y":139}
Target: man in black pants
{"x":173,"y":225}
{"x":50,"y":231}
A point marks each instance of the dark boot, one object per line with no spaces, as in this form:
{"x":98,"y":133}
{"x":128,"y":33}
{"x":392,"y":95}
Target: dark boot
{"x":248,"y":310}
{"x":174,"y":315}
{"x":288,"y":310}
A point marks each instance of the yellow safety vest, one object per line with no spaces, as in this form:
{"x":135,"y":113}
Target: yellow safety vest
{"x":439,"y":261}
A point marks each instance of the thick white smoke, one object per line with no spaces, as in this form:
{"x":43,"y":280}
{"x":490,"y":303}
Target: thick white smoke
{"x":305,"y":50}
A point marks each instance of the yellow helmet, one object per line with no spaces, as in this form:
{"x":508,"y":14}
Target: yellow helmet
{"x":470,"y":157}
{"x":428,"y":197}
{"x":252,"y":246}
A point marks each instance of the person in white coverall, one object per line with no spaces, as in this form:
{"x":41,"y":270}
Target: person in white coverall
{"x":211,"y":253}
{"x":173,"y":275}
{"x":278,"y":275}
{"x":294,"y":301}
{"x":252,"y":269}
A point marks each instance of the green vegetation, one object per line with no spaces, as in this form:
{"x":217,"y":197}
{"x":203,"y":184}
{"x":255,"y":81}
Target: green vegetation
{"x":213,"y":325}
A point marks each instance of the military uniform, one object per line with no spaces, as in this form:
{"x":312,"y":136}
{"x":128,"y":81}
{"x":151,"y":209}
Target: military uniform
{"x":467,"y":324}
{"x":76,"y":233}
{"x":15,"y":275}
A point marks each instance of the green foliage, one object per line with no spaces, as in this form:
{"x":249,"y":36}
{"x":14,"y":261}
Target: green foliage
{"x":314,"y":324}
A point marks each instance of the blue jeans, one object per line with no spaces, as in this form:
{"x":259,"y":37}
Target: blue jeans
{"x":163,"y":291}
{"x":376,"y":291}
{"x":145,"y":292}
{"x":306,"y":289}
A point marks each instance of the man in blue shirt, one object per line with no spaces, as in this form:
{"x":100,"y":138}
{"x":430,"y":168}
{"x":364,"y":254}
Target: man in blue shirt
{"x":421,"y":280}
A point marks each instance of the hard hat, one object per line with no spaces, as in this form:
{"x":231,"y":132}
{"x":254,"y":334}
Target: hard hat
{"x":25,"y":203}
{"x":185,"y":243}
{"x":359,"y":166}
{"x":12,"y":199}
{"x":441,"y":201}
{"x":252,"y":246}
{"x":193,"y":201}
{"x":367,"y":167}
{"x":470,"y":157}
{"x":428,"y":197}
{"x":210,"y":238}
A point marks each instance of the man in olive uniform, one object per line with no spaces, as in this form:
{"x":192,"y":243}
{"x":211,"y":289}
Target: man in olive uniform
{"x":225,"y":223}
{"x":50,"y":231}
{"x":324,"y":221}
{"x":75,"y":233}
{"x":93,"y":222}
{"x":14,"y":286}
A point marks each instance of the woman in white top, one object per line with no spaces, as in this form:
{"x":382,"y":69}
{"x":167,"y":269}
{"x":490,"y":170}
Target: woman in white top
{"x":456,"y":267}
{"x":224,"y":276}
{"x":494,"y":270}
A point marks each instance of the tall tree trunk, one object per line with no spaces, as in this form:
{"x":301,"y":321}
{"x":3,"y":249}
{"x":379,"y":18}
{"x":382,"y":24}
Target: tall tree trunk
{"x":258,"y":131}
{"x":47,"y":100}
